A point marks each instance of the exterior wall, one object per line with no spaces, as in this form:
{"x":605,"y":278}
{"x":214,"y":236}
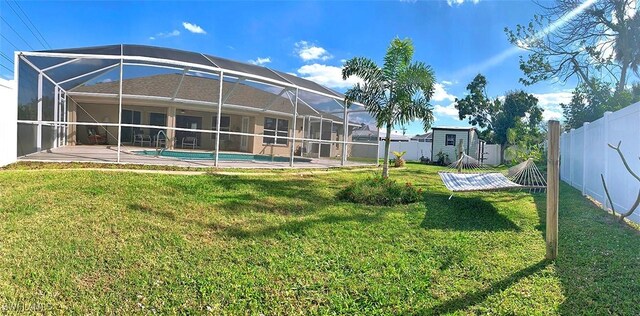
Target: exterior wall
{"x":90,"y":113}
{"x":273,"y":149}
{"x":330,"y":134}
{"x":439,"y":137}
{"x":474,"y":143}
{"x":108,"y":113}
{"x":8,"y":124}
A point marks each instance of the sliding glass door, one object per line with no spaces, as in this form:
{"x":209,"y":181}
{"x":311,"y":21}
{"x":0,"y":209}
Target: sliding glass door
{"x":130,"y":117}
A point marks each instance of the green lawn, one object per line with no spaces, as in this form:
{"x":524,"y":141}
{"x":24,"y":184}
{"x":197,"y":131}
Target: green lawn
{"x":93,"y":242}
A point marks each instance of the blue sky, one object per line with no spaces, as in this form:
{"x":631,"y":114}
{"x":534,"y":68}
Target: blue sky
{"x":310,"y":39}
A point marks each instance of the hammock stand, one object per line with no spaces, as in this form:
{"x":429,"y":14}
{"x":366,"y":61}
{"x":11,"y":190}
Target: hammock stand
{"x":471,"y":175}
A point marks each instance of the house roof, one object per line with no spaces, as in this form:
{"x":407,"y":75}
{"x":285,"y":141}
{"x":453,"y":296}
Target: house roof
{"x":467,"y":128}
{"x":426,"y":136}
{"x":67,"y":68}
{"x":201,"y":89}
{"x":370,"y":131}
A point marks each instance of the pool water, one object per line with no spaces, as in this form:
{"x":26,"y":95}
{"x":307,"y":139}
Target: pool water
{"x":190,"y":155}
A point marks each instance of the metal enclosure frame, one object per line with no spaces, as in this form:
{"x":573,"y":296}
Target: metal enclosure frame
{"x":290,"y":88}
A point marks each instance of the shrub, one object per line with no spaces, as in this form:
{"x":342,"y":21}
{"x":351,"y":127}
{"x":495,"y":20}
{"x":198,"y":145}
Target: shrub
{"x":399,"y":161}
{"x":380,"y":191}
{"x":442,"y":158}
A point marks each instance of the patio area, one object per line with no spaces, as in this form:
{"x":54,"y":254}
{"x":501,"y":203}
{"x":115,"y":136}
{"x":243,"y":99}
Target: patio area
{"x":109,"y":154}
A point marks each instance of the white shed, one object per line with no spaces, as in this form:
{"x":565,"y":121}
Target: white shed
{"x":445,"y":140}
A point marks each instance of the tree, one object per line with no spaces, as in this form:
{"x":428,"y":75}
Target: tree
{"x":588,"y":105}
{"x":395,"y":94}
{"x":498,"y":117}
{"x":525,"y":142}
{"x":575,"y":38}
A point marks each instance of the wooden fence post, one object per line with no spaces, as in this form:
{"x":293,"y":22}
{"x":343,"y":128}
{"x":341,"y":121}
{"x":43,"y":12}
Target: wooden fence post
{"x":553,"y":164}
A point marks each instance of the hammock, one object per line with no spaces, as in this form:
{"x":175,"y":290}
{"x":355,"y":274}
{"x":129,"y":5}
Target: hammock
{"x":467,"y":182}
{"x":470,"y":176}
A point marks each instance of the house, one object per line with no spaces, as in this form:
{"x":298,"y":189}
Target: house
{"x":369,"y":132}
{"x":94,"y":103}
{"x":422,"y":138}
{"x":248,"y":115}
{"x":445,"y":140}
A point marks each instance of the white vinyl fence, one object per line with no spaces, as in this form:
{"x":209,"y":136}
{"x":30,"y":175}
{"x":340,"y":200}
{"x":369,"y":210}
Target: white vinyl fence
{"x":414,"y":150}
{"x":492,"y":154}
{"x":585,"y":155}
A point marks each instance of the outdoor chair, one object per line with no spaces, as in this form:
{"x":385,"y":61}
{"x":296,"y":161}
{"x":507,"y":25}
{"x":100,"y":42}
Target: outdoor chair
{"x":95,"y":138}
{"x":142,"y":139}
{"x":159,"y":141}
{"x":190,"y":141}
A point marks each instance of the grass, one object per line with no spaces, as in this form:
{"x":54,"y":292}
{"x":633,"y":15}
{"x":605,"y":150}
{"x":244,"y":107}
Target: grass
{"x":39,"y":165}
{"x":84,"y":241}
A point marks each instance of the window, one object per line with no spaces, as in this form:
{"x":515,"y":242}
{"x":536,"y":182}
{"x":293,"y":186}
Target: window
{"x":157,"y":119}
{"x":275,"y":127}
{"x":225,"y":123}
{"x":450,"y":140}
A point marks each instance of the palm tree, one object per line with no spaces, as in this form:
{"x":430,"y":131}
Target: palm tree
{"x":395,"y":94}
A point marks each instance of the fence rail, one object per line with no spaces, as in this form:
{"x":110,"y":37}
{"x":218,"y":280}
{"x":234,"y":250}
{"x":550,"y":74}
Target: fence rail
{"x":585,"y":155}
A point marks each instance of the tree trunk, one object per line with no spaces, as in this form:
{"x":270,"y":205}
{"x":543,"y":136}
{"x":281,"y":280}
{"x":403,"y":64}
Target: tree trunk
{"x":623,"y":79}
{"x":503,"y":147}
{"x":387,"y":146}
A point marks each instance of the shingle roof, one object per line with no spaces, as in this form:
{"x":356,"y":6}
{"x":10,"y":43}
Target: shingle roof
{"x":131,"y":52}
{"x":427,"y":136}
{"x":200,"y":89}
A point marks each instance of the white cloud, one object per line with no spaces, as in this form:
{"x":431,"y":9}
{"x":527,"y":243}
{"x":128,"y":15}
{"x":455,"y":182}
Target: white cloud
{"x":440,"y":94}
{"x":309,"y":52}
{"x":459,"y":2}
{"x":553,"y":98}
{"x":165,"y":35}
{"x":260,"y":61}
{"x":551,"y":115}
{"x":449,"y":110}
{"x":330,"y":76}
{"x":550,"y":102}
{"x":448,"y":83}
{"x":193,"y":28}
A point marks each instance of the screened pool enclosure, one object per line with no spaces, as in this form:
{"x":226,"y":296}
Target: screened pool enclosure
{"x":142,"y":104}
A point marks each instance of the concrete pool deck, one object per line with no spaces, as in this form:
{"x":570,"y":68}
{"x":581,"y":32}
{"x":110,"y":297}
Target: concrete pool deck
{"x":109,"y":154}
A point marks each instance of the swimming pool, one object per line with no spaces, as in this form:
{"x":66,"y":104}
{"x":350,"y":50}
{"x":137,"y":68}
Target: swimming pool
{"x":191,"y":155}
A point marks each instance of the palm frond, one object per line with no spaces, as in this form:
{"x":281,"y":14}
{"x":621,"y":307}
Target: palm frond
{"x":363,"y":68}
{"x":398,"y":57}
{"x":417,"y":78}
{"x":396,"y":94}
